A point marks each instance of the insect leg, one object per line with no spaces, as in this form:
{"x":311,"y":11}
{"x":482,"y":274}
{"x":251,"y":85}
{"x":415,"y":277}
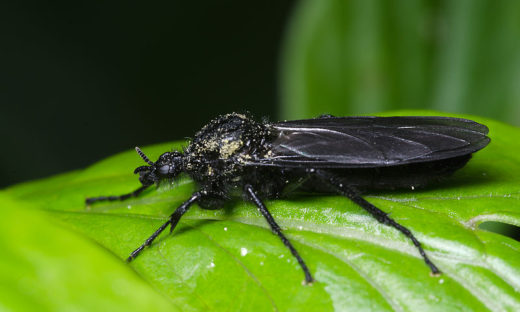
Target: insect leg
{"x":276,"y":228}
{"x":380,"y":216}
{"x":135,"y":193}
{"x":173,"y":220}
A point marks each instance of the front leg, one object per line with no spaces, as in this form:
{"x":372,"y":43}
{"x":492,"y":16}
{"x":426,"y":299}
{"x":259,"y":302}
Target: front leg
{"x":173,"y":220}
{"x":135,"y":193}
{"x":276,"y":229}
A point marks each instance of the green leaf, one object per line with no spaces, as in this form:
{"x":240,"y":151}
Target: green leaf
{"x":46,"y":268}
{"x":228,"y":259}
{"x":364,"y":56}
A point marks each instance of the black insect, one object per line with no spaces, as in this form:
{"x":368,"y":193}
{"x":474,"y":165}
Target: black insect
{"x":342,"y":155}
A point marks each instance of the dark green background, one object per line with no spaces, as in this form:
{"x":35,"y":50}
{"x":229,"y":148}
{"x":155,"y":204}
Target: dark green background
{"x":82,"y":80}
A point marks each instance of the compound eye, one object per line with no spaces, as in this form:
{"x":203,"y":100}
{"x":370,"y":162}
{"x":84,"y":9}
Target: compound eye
{"x":164,"y":170}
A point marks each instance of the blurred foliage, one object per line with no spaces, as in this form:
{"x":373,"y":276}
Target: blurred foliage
{"x":44,"y":267}
{"x":365,"y":56}
{"x":229,"y":259}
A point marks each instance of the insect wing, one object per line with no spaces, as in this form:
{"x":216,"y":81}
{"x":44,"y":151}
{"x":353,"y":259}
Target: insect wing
{"x":357,"y":142}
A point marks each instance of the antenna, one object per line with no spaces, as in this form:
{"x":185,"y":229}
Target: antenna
{"x":143,"y":156}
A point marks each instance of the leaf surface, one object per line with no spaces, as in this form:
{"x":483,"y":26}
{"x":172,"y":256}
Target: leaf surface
{"x":44,"y":267}
{"x":228,"y":259}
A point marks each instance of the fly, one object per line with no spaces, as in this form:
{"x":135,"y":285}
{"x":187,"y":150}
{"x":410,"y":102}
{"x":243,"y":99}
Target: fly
{"x":340,"y":155}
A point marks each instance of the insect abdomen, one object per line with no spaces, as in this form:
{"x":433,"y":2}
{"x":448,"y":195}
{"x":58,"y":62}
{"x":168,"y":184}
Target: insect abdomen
{"x":394,"y":177}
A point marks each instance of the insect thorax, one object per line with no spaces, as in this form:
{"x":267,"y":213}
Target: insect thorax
{"x":218,"y":152}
